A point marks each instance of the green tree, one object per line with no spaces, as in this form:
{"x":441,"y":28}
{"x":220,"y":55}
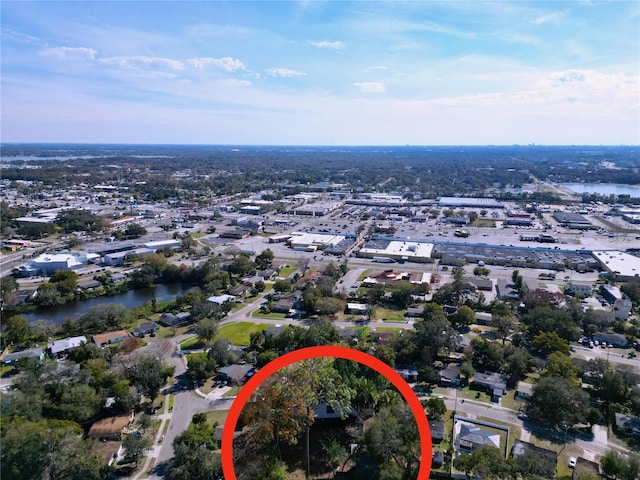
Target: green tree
{"x":281,"y":286}
{"x":560,"y":365}
{"x":549,"y":342}
{"x":391,"y":446}
{"x":264,"y":259}
{"x":401,"y":294}
{"x":611,"y":463}
{"x":200,"y":366}
{"x":570,"y":403}
{"x":242,"y":266}
{"x":16,"y":330}
{"x":147,"y":373}
{"x":463,"y":317}
{"x":486,"y":462}
{"x":435,"y":408}
{"x":195,"y":462}
{"x":135,"y":230}
{"x":136,"y":446}
{"x":206,"y":329}
{"x":47,"y":449}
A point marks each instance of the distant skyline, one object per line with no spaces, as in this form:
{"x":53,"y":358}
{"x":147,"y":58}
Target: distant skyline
{"x":321,"y":73}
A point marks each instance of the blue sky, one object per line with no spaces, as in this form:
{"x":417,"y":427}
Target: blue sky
{"x":321,"y":73}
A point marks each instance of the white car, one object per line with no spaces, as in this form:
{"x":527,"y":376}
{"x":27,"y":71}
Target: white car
{"x":572,"y":462}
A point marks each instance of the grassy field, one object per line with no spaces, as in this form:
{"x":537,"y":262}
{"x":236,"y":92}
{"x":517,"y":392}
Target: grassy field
{"x":484,"y":222}
{"x":239,"y":333}
{"x":274,"y":316}
{"x":479,"y":396}
{"x":389,"y":329}
{"x":364,"y":275}
{"x":286,"y":271}
{"x":388,"y":315}
{"x":217,"y":416}
{"x":192,"y":343}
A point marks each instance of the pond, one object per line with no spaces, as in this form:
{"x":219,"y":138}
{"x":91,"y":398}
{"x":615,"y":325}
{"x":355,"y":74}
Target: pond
{"x":604,"y":188}
{"x":130,"y":299}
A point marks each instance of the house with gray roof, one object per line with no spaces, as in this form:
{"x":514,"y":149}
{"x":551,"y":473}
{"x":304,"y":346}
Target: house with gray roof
{"x":65,"y":345}
{"x":32,"y":353}
{"x":471,"y":437}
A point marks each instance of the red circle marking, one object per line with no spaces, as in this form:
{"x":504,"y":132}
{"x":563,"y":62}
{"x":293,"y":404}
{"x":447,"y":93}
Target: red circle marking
{"x":326,"y":351}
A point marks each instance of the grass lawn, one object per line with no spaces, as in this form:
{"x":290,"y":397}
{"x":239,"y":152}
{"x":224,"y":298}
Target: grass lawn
{"x":364,"y":275}
{"x":477,"y":395}
{"x":286,"y":271}
{"x":207,"y":386}
{"x":388,"y":315}
{"x":389,"y":329}
{"x":232,"y":392}
{"x":484,"y":222}
{"x":239,"y":333}
{"x":167,"y":332}
{"x":217,"y":416}
{"x":273,"y":315}
{"x":7,"y":371}
{"x":509,"y":401}
{"x":192,"y":343}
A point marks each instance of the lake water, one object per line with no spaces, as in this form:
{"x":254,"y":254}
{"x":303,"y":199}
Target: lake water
{"x":130,"y":299}
{"x":604,"y":188}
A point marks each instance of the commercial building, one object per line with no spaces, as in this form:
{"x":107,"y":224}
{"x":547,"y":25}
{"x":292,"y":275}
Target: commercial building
{"x":397,"y":250}
{"x":49,"y":263}
{"x":459,"y":202}
{"x":623,"y":266}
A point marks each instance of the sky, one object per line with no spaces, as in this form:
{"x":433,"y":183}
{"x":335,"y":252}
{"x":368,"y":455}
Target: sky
{"x":321,"y":73}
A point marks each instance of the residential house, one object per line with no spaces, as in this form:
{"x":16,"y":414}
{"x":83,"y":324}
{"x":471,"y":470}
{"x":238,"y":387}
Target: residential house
{"x":32,"y":353}
{"x":238,"y":290}
{"x":409,"y":373}
{"x":108,"y":338}
{"x":622,"y":308}
{"x":251,"y":281}
{"x":611,"y":293}
{"x":628,"y":424}
{"x":357,"y":308}
{"x":220,"y":299}
{"x":577,"y":289}
{"x":471,"y":437}
{"x":146,"y":328}
{"x":415,"y":312}
{"x":450,"y":376}
{"x":236,"y":373}
{"x":480,"y":283}
{"x":110,"y":428}
{"x":584,"y":467}
{"x":268,"y":274}
{"x":284,"y":305}
{"x":65,"y":345}
{"x":437,"y":430}
{"x":506,"y":290}
{"x":495,"y":383}
{"x":175,"y":320}
{"x":522,"y":449}
{"x":524,"y":391}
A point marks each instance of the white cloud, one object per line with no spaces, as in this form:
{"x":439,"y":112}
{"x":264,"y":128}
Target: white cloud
{"x":145,"y":66}
{"x":285,"y":72}
{"x":371,"y":87}
{"x":376,"y":67}
{"x":226,"y":63}
{"x":233,"y":82}
{"x":70,"y":53}
{"x":553,"y":17}
{"x":338,"y":45}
